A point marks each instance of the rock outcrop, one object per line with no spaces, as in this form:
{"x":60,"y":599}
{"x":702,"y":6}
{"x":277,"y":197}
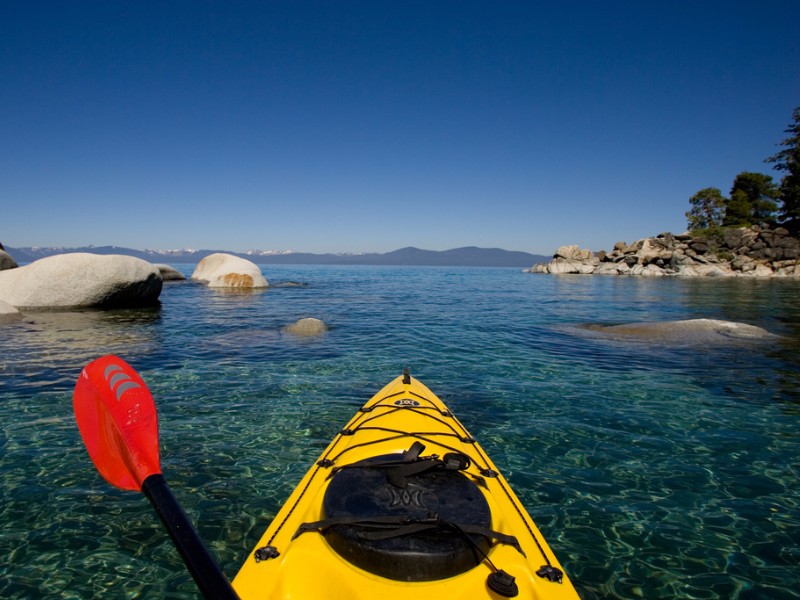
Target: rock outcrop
{"x":7,"y":261}
{"x":81,"y":280}
{"x":222,"y":270}
{"x":757,"y":251}
{"x":169,"y":273}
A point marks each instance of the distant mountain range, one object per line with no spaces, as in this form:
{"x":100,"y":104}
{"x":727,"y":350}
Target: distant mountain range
{"x":470,"y":256}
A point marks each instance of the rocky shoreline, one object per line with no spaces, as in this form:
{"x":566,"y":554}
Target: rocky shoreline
{"x":758,"y":251}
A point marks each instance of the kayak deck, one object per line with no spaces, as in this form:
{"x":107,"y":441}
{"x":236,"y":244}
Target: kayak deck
{"x":448,"y":526}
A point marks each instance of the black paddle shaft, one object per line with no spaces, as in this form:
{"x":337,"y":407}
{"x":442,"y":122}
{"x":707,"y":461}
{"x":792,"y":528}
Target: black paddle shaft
{"x":207,"y":574}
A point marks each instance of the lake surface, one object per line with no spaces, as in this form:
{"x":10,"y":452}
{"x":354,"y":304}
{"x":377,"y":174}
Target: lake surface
{"x":654,"y":470}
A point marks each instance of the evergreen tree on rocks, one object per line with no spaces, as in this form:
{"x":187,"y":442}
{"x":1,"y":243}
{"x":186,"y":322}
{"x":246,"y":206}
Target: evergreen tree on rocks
{"x":788,"y":161}
{"x":753,"y":200}
{"x":708,"y":209}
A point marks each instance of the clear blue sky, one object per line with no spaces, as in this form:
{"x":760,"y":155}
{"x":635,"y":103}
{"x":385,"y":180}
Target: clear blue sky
{"x":368,"y":126}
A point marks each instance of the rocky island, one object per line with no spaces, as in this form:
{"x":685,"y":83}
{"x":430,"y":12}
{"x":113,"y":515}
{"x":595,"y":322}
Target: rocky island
{"x":757,"y":251}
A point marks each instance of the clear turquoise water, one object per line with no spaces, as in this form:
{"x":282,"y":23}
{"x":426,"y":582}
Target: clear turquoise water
{"x":653,"y":470}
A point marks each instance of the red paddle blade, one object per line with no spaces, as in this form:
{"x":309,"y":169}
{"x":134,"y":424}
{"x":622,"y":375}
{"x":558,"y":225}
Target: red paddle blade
{"x":117,"y":419}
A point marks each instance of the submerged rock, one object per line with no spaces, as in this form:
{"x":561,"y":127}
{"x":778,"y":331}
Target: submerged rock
{"x":694,"y":331}
{"x":307,"y":327}
{"x":222,"y":270}
{"x":81,"y":280}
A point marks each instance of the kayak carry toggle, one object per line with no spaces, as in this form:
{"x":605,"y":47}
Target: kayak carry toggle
{"x":265,"y":553}
{"x":550,"y":573}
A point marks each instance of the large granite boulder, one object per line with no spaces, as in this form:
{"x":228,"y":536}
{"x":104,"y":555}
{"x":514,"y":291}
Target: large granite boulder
{"x":572,"y":252}
{"x":81,"y":280}
{"x":561,"y":266}
{"x":228,"y":271}
{"x":7,"y":261}
{"x":707,"y":270}
{"x":568,"y":260}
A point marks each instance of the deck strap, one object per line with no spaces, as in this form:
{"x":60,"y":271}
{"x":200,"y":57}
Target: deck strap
{"x":383,"y":528}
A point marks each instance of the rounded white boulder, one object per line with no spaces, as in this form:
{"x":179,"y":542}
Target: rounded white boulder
{"x":228,"y":271}
{"x":81,"y":280}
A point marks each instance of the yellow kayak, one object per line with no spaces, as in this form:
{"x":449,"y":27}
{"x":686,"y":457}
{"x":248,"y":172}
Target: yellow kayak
{"x":403,"y":504}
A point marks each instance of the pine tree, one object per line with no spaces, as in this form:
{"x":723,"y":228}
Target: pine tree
{"x":738,"y":210}
{"x":708,"y":206}
{"x":788,"y":160}
{"x":753,"y":197}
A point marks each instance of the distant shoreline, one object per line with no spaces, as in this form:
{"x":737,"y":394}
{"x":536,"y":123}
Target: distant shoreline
{"x":469,"y":256}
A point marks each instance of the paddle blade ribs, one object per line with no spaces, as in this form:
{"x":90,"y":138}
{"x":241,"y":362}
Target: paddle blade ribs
{"x":117,"y":419}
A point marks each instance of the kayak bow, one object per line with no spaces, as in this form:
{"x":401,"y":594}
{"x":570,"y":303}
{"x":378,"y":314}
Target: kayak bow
{"x":403,"y":503}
